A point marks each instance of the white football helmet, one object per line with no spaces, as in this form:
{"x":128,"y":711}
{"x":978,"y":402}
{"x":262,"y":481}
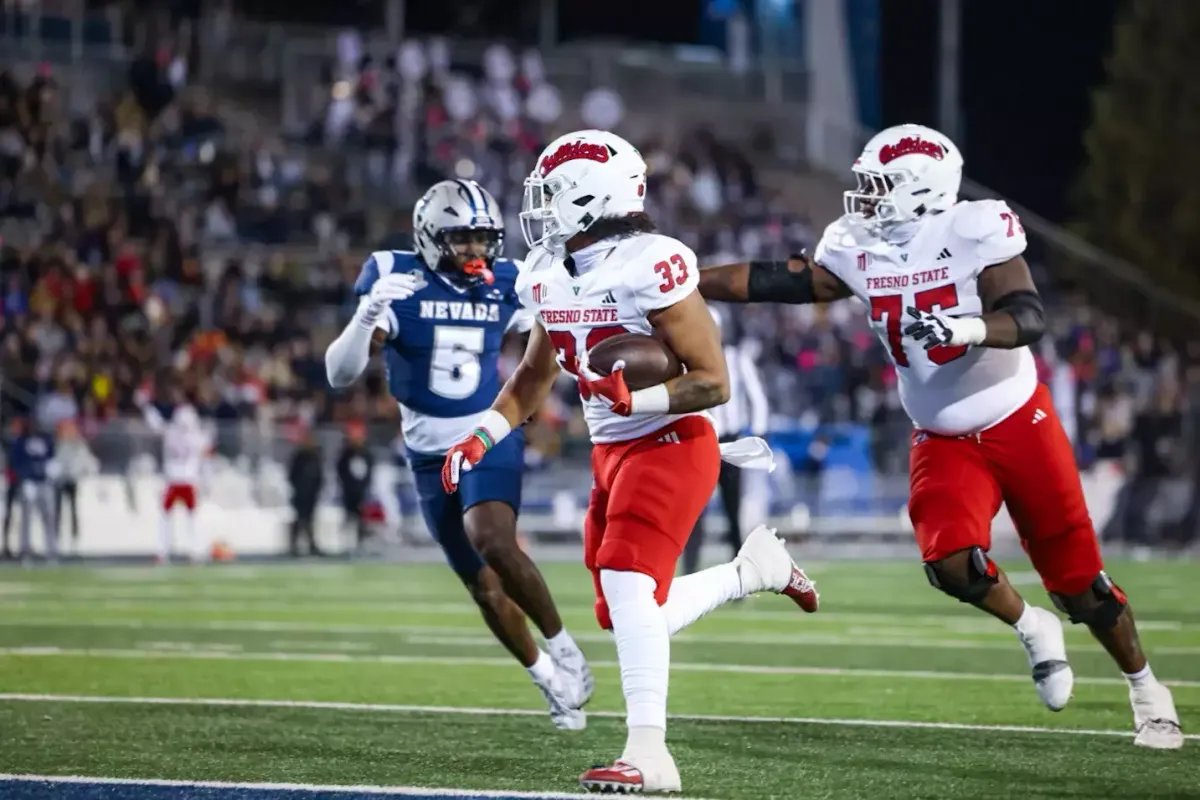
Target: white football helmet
{"x":904,"y":172}
{"x":457,"y":209}
{"x":578,"y":179}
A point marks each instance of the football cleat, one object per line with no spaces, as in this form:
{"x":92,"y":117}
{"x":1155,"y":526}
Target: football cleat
{"x":1047,"y":651}
{"x":1155,"y":718}
{"x":764,"y":565}
{"x":623,"y":777}
{"x":561,"y":694}
{"x":582,"y":683}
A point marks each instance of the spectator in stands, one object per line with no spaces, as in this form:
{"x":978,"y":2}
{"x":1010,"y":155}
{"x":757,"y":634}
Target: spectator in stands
{"x":75,"y":461}
{"x":306,"y":476}
{"x":355,"y":466}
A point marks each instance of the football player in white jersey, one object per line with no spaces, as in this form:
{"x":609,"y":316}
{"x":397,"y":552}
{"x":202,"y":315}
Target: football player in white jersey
{"x":597,"y":269}
{"x":951,"y":297}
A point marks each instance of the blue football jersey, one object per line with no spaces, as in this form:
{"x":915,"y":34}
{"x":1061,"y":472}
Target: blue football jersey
{"x":443,"y":349}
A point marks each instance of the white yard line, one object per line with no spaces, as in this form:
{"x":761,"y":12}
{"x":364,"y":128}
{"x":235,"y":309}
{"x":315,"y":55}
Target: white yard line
{"x":910,"y":639}
{"x":529,"y":712}
{"x":484,"y":661}
{"x":402,"y":791}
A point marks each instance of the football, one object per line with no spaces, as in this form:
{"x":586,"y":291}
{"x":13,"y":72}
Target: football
{"x":648,"y":361}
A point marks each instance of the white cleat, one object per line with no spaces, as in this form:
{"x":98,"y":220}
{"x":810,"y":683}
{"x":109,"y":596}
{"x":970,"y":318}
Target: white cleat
{"x":560,"y":693}
{"x":633,"y":775}
{"x":1047,"y":651}
{"x":582,"y":683}
{"x":764,"y":565}
{"x":1154,"y":717}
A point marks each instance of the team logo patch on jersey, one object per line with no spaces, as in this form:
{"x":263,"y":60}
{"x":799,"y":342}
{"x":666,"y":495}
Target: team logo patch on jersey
{"x":539,"y":293}
{"x":862,"y":262}
{"x":911,"y":145}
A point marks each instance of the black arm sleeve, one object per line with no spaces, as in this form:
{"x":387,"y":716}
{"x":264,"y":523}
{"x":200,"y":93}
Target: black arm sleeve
{"x":773,"y":282}
{"x":1025,"y":307}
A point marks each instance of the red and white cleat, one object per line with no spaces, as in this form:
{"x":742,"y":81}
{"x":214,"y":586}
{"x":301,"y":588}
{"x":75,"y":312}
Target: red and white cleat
{"x":764,"y":565}
{"x":803,"y":591}
{"x":624,"y":778}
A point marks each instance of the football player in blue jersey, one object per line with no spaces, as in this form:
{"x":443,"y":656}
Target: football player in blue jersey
{"x":439,"y":316}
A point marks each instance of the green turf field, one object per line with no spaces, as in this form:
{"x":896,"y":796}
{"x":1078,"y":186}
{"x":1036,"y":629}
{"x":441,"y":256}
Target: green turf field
{"x":332,"y":674}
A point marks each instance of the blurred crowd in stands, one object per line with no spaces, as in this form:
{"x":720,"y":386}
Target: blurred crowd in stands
{"x":152,"y":246}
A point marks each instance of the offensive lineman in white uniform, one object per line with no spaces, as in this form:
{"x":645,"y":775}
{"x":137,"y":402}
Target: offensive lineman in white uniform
{"x":951,"y":297}
{"x":597,"y":270}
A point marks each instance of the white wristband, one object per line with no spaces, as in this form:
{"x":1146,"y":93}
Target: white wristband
{"x":974,"y":330}
{"x":495,"y":426}
{"x":651,"y":400}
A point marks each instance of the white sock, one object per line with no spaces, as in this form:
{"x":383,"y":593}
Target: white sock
{"x":1027,"y":624}
{"x":562,"y":644}
{"x":164,"y":536}
{"x":193,"y":544}
{"x":644,"y":740}
{"x":543,"y":668}
{"x":643,"y":646}
{"x":1140,"y":678}
{"x":693,"y":596}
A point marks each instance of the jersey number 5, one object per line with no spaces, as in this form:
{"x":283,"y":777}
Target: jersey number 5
{"x":454,"y":370}
{"x":889,"y":309}
{"x":674,"y":272}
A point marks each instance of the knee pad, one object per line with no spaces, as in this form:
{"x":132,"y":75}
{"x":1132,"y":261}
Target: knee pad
{"x":1099,"y":606}
{"x":981,"y":575}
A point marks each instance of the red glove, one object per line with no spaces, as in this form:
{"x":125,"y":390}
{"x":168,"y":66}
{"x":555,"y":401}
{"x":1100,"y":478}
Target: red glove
{"x":461,"y":458}
{"x":611,"y":389}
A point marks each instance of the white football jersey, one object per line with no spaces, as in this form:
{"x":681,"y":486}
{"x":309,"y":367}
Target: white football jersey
{"x":185,"y":450}
{"x":618,"y":283}
{"x":946,"y":390}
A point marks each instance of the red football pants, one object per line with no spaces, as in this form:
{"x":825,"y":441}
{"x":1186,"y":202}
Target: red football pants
{"x":180,"y":493}
{"x":646,"y":498}
{"x":1026,"y":461}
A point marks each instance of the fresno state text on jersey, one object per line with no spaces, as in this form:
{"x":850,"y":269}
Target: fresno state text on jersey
{"x":443,"y":347}
{"x":946,"y":390}
{"x":617,"y":284}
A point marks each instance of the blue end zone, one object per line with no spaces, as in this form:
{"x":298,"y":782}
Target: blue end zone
{"x":76,"y":788}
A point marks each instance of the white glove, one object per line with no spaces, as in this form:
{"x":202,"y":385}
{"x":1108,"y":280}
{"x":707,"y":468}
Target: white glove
{"x":387,"y":290}
{"x":934,"y":330}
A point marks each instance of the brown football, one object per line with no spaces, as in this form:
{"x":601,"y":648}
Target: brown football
{"x":648,"y":362}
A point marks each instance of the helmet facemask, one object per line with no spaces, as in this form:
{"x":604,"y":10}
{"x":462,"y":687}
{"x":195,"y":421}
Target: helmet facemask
{"x":551,"y":214}
{"x":466,"y":255}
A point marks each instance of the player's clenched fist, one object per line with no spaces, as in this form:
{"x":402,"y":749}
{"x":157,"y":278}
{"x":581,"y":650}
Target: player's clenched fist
{"x":389,"y":289}
{"x":461,"y":458}
{"x":611,"y":389}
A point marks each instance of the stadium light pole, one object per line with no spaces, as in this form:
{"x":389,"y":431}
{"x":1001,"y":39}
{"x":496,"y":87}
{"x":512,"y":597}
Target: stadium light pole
{"x":949,"y":47}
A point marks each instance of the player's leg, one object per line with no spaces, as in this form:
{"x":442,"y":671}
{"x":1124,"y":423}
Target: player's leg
{"x":45,"y":507}
{"x":1041,"y":485}
{"x":491,"y":494}
{"x":656,"y":491}
{"x":443,"y":515}
{"x":197,"y":551}
{"x":953,"y":498}
{"x":170,"y":497}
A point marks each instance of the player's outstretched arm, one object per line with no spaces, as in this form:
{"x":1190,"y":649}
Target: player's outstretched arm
{"x":521,"y":396}
{"x":689,"y":330}
{"x":797,"y":281}
{"x":347,"y":356}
